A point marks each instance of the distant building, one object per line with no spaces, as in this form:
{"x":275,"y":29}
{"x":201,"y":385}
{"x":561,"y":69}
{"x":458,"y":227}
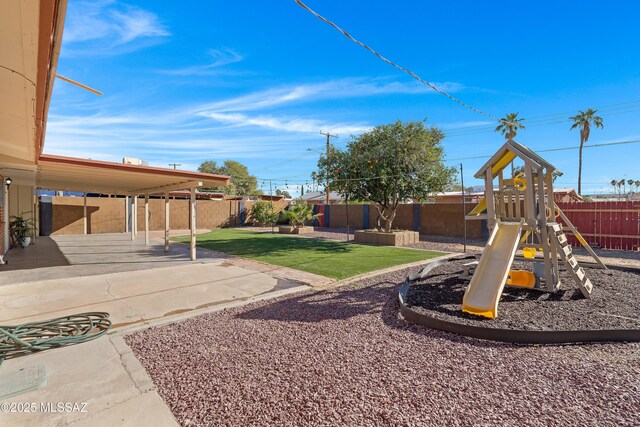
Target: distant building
{"x":319,"y":198}
{"x":134,"y":161}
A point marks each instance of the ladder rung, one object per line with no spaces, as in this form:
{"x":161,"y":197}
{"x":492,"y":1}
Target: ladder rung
{"x":562,"y":239}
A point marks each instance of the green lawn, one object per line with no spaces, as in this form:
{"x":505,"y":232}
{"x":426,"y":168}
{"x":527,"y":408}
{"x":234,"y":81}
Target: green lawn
{"x":325,"y":257}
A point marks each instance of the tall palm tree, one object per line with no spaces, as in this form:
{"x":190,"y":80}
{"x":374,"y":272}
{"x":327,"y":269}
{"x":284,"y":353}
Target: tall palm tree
{"x":584,"y":120}
{"x":614,"y":184}
{"x":623,"y":184}
{"x":630,"y":182}
{"x":509,"y":125}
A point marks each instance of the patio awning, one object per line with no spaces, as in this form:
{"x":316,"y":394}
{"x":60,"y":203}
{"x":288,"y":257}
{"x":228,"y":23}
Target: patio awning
{"x":94,"y":176}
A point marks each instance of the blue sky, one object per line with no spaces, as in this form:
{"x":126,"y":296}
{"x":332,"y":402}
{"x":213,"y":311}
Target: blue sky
{"x":257,"y":81}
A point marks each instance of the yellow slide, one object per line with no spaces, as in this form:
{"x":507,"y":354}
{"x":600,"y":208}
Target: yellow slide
{"x":485,"y":288}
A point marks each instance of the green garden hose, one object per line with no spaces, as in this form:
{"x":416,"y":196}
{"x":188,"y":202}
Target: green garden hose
{"x":27,"y":338}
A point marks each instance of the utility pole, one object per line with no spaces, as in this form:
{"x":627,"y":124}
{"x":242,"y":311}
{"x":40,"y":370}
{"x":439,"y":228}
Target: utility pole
{"x":464,"y":209}
{"x":326,"y":189}
{"x":175,"y":165}
{"x":271,"y":194}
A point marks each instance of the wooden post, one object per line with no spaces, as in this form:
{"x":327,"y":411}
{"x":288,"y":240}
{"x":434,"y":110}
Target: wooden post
{"x":544,"y":234}
{"x":530,"y":196}
{"x":84,"y":215}
{"x":126,"y":214}
{"x":133,"y":222}
{"x":166,"y":222}
{"x":134,"y":215}
{"x":488,"y":191}
{"x":192,"y":211}
{"x":501,"y":194}
{"x":146,"y":219}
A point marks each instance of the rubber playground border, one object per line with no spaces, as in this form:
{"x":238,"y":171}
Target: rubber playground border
{"x":515,"y":336}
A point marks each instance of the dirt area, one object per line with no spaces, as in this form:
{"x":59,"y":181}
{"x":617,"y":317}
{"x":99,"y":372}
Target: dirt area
{"x":344,"y":357}
{"x":614,"y":304}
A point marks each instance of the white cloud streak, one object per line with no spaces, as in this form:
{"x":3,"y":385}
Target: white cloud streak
{"x":332,"y":89}
{"x":221,"y":57}
{"x":107,"y":28}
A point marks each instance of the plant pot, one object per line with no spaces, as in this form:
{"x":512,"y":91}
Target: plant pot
{"x":393,"y":238}
{"x":290,"y":229}
{"x":25,"y":241}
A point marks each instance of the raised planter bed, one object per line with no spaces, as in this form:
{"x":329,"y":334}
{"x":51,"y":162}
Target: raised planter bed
{"x":290,"y":229}
{"x":393,"y":238}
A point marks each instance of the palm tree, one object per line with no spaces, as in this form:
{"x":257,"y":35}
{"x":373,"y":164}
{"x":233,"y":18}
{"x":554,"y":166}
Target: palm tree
{"x":630,"y":182}
{"x":623,"y":184}
{"x":614,"y":184}
{"x":509,"y":125}
{"x":637,"y":184}
{"x":584,"y":120}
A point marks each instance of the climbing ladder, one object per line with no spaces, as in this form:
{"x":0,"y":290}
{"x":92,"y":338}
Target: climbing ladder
{"x":564,"y":249}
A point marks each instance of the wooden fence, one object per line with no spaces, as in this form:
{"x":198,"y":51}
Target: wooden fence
{"x":608,"y":225}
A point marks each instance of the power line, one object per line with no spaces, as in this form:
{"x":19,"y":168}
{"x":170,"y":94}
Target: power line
{"x":606,"y":144}
{"x":292,"y":178}
{"x":393,"y":64}
{"x":552,"y":119}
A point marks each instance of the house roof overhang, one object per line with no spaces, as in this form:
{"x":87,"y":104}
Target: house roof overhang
{"x":85,"y":175}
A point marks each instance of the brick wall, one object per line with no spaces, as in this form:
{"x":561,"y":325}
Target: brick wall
{"x":107,"y":215}
{"x":441,"y":219}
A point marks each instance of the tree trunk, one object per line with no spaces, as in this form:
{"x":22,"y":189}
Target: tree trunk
{"x":389,"y":216}
{"x":580,"y":166}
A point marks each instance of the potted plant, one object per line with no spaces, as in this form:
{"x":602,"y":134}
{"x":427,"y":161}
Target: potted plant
{"x":298,"y":213}
{"x":21,"y":229}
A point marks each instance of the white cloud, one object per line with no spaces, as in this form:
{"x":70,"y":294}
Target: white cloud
{"x":332,"y":89}
{"x":287,"y":124}
{"x":105,"y":28}
{"x":221,"y":57}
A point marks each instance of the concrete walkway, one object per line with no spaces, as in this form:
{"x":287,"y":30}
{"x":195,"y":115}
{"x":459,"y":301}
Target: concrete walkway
{"x":140,"y":286}
{"x":57,"y":257}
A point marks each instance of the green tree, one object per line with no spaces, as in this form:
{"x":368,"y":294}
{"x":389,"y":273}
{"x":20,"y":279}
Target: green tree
{"x":300,"y":212}
{"x":265,"y":213}
{"x":388,"y":165}
{"x":509,"y":125}
{"x":242,"y":183}
{"x":283,"y":193}
{"x":584,"y":120}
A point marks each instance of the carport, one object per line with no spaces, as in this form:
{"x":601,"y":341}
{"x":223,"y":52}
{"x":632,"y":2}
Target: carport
{"x":130,"y":181}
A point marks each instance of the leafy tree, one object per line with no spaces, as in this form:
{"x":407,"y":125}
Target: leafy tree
{"x":265,"y":212}
{"x":509,"y":125}
{"x":283,"y":193}
{"x":242,"y":183}
{"x":300,"y":212}
{"x":388,"y":165}
{"x":584,"y":120}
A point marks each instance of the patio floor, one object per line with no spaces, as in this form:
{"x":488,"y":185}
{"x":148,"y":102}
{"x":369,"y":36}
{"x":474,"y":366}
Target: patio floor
{"x":140,"y":286}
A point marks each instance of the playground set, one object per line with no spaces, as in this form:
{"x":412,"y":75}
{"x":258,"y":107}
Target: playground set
{"x":521,"y":214}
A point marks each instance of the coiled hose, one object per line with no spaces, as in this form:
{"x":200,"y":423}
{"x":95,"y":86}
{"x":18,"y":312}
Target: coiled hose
{"x":27,"y":338}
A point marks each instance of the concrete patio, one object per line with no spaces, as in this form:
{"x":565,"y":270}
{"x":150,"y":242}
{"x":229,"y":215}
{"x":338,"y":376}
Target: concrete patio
{"x":140,"y":286}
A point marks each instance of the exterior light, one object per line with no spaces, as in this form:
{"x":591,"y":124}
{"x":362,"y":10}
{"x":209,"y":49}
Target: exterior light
{"x":8,"y":181}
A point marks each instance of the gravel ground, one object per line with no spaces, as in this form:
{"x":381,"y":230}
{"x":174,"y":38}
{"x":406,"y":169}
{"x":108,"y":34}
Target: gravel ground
{"x":343,"y":357}
{"x":614,"y":304}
